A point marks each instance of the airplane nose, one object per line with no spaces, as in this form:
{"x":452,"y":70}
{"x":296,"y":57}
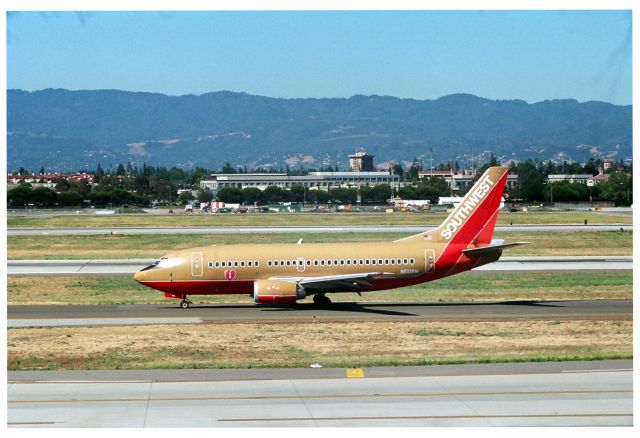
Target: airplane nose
{"x":141,"y":275}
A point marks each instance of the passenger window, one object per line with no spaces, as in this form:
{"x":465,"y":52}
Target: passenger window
{"x":373,"y":261}
{"x":412,"y":261}
{"x":242,"y":264}
{"x":393,"y":261}
{"x":235,"y":264}
{"x":281,"y":262}
{"x":211,"y":264}
{"x":321,"y":262}
{"x":366,"y":262}
{"x":249,"y":263}
{"x":223,"y":264}
{"x":379,"y":261}
{"x":229,"y":263}
{"x":355,"y":262}
{"x":217,"y":264}
{"x":335,"y":263}
{"x":288,"y":262}
{"x":328,"y":262}
{"x":269,"y":263}
{"x":406,"y":261}
{"x":315,"y":263}
{"x":308,"y":262}
{"x":256,"y":263}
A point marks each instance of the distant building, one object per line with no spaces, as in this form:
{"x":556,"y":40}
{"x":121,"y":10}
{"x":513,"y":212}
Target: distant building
{"x":454,"y":201}
{"x":361,"y":162}
{"x":582,"y":178}
{"x":601,"y":177}
{"x":313,"y":181}
{"x":461,"y":180}
{"x":47,"y":179}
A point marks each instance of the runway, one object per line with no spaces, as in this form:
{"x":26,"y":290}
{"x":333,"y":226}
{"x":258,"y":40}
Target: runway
{"x":295,"y":229}
{"x":130,"y":266}
{"x":306,"y":312}
{"x":555,"y":394}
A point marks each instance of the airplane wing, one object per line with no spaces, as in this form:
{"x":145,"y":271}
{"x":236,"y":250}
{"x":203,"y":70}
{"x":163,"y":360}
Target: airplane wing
{"x":481,"y":250}
{"x":330,"y":283}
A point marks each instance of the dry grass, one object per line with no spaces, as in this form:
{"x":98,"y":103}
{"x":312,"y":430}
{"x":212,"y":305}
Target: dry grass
{"x":299,"y":345}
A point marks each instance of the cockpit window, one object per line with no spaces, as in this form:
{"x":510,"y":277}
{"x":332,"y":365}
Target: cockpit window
{"x":164,"y":262}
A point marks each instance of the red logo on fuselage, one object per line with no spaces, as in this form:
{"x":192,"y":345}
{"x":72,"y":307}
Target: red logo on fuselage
{"x":230,"y":274}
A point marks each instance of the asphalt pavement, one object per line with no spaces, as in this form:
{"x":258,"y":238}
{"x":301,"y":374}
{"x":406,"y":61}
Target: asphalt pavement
{"x":306,"y":312}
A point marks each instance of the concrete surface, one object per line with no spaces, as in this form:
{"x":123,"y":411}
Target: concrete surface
{"x":598,"y":397}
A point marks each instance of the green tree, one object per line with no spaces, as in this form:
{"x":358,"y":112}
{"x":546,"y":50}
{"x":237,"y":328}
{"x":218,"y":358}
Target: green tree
{"x":82,"y":187}
{"x":62,"y":185}
{"x":297,"y":193}
{"x":43,"y":196}
{"x":530,"y":181}
{"x":228,"y":168}
{"x":398,"y":170}
{"x":99,"y":174}
{"x":618,"y":188}
{"x":69,"y":198}
{"x":185,"y":197}
{"x":205,"y":195}
{"x":232,"y":195}
{"x":20,"y":196}
{"x":565,"y":191}
{"x":274,"y":193}
{"x":252,"y":195}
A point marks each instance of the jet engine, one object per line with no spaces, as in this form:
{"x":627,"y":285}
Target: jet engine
{"x":277,"y":292}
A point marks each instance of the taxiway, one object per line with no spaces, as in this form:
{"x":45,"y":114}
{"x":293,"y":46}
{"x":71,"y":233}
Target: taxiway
{"x":72,"y":315}
{"x":546,"y":394}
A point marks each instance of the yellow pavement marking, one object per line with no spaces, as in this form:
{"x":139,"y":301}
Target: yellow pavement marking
{"x":355,"y":372}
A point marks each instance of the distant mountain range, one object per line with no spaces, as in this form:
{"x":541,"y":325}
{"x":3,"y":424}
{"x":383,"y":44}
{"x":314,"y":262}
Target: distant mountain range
{"x":70,"y":130}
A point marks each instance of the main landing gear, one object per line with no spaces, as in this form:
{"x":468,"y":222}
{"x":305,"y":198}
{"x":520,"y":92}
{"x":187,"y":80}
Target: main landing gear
{"x":185,"y":303}
{"x":321,"y":300}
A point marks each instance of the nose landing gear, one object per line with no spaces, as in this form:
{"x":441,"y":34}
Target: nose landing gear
{"x":321,"y":300}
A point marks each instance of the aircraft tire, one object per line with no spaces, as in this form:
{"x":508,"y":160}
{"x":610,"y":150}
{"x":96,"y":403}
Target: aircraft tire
{"x":184,"y":304}
{"x":321,"y":300}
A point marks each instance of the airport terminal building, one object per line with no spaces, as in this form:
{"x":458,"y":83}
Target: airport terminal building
{"x":312,"y":181}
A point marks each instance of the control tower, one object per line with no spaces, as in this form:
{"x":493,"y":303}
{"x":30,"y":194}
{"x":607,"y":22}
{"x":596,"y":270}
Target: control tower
{"x":361,"y":162}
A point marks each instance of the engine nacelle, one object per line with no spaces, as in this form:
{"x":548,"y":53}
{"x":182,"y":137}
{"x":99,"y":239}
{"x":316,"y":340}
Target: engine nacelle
{"x":277,"y":292}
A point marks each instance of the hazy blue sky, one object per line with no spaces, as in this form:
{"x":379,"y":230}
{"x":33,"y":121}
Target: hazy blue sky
{"x":585,"y":55}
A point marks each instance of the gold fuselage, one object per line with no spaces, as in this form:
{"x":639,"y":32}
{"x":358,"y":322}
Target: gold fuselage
{"x":229,"y":269}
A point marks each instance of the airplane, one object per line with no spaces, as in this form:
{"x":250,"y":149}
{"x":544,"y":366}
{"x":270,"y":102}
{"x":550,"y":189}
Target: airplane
{"x":285,"y":273}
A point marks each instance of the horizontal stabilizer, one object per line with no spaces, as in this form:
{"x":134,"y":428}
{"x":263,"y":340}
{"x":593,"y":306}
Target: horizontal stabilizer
{"x":491,"y":248}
